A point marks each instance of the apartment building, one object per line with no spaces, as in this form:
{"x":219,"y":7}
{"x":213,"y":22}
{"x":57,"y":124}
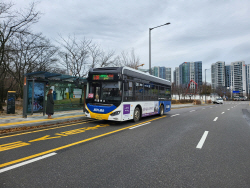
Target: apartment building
{"x":162,"y":72}
{"x":190,"y":71}
{"x":176,"y":76}
{"x":228,"y":76}
{"x":238,"y":78}
{"x":218,"y":74}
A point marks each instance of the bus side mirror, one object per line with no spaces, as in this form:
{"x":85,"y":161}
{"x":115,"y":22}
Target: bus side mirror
{"x":126,"y":86}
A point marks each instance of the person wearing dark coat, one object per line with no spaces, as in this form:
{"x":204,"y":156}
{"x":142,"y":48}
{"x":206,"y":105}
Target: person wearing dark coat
{"x":50,"y":104}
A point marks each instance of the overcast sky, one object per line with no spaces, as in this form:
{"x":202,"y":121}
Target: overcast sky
{"x":200,"y":30}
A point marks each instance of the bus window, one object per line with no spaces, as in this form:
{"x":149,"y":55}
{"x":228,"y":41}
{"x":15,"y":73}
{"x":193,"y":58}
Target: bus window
{"x":147,"y":92}
{"x":154,"y":92}
{"x":162,"y":93}
{"x":168,"y":93}
{"x":128,"y":95}
{"x":138,"y":91}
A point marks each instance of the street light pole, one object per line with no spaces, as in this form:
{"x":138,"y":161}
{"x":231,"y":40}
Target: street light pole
{"x":150,"y":44}
{"x":205,"y":88}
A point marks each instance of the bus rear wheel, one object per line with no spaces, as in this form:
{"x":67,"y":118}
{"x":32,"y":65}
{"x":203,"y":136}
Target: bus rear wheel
{"x":137,"y":114}
{"x":161,"y":110}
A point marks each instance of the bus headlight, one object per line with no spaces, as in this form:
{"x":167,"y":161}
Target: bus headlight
{"x":115,"y":113}
{"x":86,"y":111}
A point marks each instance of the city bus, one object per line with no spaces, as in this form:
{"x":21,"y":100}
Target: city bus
{"x":123,"y":93}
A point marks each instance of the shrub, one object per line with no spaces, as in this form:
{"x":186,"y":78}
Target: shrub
{"x":197,"y":102}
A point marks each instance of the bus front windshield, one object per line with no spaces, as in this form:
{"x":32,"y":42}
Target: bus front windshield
{"x":105,"y":92}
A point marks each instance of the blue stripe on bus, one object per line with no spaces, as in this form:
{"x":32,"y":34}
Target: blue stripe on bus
{"x":101,"y":109}
{"x":167,"y":106}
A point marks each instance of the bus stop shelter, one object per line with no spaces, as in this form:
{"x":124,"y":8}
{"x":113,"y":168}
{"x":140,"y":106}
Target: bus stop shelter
{"x":69,"y":92}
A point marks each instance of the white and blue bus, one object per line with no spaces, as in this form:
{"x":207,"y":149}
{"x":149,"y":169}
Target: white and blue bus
{"x":123,"y":93}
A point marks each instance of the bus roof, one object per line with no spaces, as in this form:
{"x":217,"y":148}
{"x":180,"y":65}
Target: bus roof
{"x":130,"y":72}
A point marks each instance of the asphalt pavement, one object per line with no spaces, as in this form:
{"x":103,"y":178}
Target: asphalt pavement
{"x":198,"y":146}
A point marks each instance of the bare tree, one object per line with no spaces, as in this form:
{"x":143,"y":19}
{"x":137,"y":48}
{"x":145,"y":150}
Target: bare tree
{"x":74,"y":55}
{"x":12,"y":23}
{"x":94,"y":55}
{"x":28,"y":54}
{"x":107,"y":59}
{"x":128,"y":59}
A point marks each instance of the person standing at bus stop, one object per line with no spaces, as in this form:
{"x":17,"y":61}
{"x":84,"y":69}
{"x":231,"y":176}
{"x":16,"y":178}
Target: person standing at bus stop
{"x":50,"y":104}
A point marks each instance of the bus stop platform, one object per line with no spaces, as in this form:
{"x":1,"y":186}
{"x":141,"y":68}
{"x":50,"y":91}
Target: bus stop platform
{"x":11,"y":121}
{"x":14,"y":120}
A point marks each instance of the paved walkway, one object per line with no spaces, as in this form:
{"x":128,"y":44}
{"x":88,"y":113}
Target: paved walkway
{"x":14,"y":121}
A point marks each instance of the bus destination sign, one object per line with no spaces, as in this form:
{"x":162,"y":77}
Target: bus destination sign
{"x":103,"y":77}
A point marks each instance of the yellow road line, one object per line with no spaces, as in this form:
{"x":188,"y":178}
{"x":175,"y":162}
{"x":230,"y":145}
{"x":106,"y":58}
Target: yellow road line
{"x":35,"y":131}
{"x":72,"y":144}
{"x":39,"y":120}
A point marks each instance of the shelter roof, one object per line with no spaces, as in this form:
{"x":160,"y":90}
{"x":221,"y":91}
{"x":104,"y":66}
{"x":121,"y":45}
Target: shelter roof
{"x":54,"y":76}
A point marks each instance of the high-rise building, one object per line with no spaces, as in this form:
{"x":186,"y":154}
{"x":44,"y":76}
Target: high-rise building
{"x":177,"y":76}
{"x":190,"y":71}
{"x":227,"y":76}
{"x":218,"y":74}
{"x":162,"y":72}
{"x":184,"y":70}
{"x":198,"y":72}
{"x":168,"y":74}
{"x":239,"y":82}
{"x":248,"y":79}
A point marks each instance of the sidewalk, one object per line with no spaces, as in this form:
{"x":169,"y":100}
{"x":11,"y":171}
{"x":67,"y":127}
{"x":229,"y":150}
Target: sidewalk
{"x":16,"y":121}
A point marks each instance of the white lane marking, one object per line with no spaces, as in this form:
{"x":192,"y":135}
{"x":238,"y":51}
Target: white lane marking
{"x":192,"y":111}
{"x":175,"y":115}
{"x":222,"y":112}
{"x":139,"y":125}
{"x":27,"y":162}
{"x":215,"y":119}
{"x":228,"y":109}
{"x":203,"y":138}
{"x":203,"y":108}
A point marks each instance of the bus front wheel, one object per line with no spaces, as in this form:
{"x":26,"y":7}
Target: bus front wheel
{"x":161,"y":110}
{"x":137,"y":114}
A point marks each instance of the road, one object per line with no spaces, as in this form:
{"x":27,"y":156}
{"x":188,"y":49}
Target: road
{"x":203,"y":146}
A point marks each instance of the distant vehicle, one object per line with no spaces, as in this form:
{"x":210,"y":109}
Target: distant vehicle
{"x":242,"y":98}
{"x":236,"y":98}
{"x":218,"y":101}
{"x":214,"y":97}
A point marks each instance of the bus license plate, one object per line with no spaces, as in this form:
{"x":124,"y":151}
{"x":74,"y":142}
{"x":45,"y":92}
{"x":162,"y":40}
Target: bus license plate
{"x":99,"y":117}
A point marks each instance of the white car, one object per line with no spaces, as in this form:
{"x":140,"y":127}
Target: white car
{"x":219,"y":101}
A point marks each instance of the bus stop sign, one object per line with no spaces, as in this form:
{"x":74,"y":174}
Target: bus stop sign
{"x":11,"y":102}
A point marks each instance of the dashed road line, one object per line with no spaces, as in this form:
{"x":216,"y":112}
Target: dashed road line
{"x":202,"y":140}
{"x":175,"y":115}
{"x":222,"y":112}
{"x":215,"y":119}
{"x":192,"y":111}
{"x":140,"y":125}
